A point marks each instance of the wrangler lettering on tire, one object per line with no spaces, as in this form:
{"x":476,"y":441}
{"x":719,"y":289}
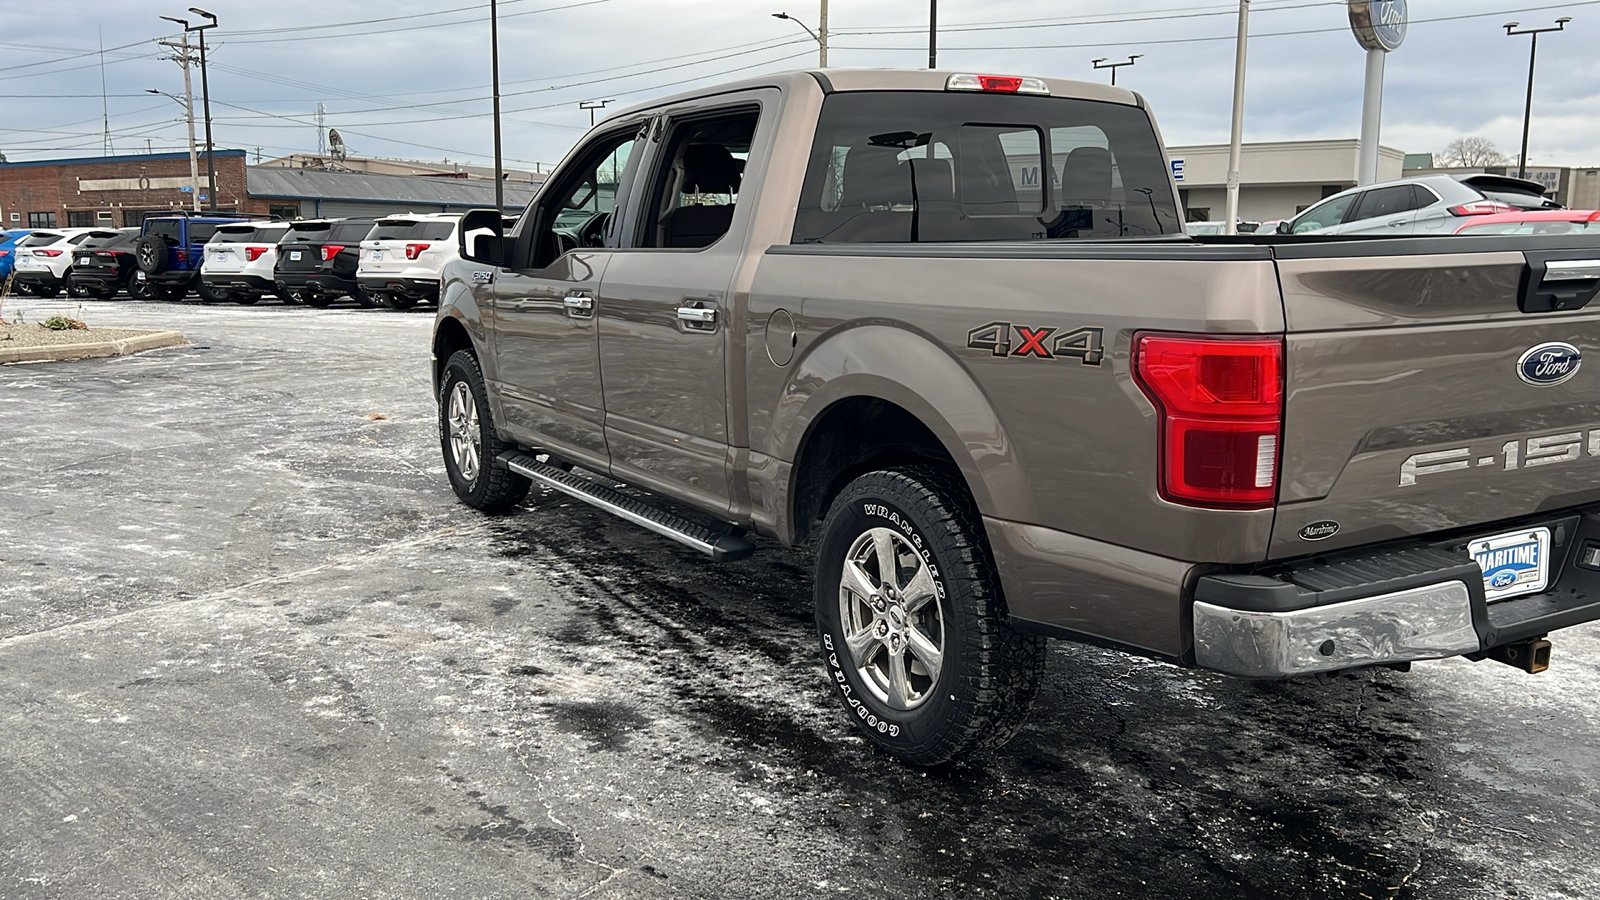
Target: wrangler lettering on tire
{"x":911,"y":621}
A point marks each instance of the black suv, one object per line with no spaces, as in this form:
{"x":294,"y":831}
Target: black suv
{"x":169,"y":252}
{"x":317,"y":261}
{"x":103,"y":264}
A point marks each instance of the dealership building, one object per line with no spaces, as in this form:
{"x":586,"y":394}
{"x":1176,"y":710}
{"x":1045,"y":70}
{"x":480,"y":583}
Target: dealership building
{"x":120,"y":191}
{"x":1276,"y":180}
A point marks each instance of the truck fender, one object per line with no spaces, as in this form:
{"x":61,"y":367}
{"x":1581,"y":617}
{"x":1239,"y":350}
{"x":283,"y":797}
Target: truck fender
{"x":918,"y":375}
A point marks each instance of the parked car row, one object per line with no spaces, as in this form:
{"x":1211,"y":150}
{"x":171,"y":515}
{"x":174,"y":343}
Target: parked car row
{"x":393,"y":261}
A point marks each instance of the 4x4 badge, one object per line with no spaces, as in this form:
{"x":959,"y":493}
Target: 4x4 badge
{"x":1086,"y":345}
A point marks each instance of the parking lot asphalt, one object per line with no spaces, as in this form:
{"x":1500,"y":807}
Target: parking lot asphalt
{"x":250,"y":646}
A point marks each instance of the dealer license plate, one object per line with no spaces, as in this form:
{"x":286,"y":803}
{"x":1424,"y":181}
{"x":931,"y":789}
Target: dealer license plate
{"x":1514,"y":563}
{"x":223,"y":255}
{"x":377,"y":256}
{"x":294,"y":254}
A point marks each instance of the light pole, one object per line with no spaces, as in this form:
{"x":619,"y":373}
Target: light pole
{"x":188,"y":108}
{"x":1236,"y":139}
{"x":494,"y":63}
{"x":933,"y":34}
{"x":1114,"y":66}
{"x":591,"y":106}
{"x":821,"y":39}
{"x":1533,"y":58}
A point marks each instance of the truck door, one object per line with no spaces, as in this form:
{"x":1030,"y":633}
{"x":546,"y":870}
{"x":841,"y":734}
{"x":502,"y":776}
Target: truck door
{"x":544,"y":305}
{"x":666,"y":313}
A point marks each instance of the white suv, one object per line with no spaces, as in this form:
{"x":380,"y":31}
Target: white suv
{"x":239,"y":260}
{"x":402,"y":258}
{"x":44,"y":256}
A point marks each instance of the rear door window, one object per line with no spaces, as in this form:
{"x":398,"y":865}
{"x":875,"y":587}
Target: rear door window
{"x":1387,"y":201}
{"x":170,"y":230}
{"x":904,"y":166}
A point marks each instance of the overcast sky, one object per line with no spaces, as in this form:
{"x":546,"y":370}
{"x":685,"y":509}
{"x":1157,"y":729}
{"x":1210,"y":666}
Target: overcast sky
{"x":412,"y":81}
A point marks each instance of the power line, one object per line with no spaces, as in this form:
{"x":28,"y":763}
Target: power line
{"x":320,"y":37}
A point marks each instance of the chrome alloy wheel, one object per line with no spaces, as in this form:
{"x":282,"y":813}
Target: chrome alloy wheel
{"x":466,"y":440}
{"x":893,"y":624}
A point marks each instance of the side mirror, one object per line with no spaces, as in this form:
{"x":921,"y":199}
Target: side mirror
{"x":1286,"y":227}
{"x":482,"y":237}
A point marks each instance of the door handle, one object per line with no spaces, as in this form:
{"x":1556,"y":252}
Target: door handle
{"x":697,"y":314}
{"x":1399,"y":222}
{"x":578,"y":304}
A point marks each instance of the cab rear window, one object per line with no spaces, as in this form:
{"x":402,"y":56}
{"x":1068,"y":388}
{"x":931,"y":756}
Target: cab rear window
{"x":920,"y":166}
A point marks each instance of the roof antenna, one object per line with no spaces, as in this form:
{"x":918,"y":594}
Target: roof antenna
{"x":105,"y":107}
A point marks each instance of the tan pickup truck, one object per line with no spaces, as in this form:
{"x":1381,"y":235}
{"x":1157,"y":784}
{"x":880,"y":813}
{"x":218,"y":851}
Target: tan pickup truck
{"x":948,"y":328}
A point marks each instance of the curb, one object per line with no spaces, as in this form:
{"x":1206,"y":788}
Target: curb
{"x":136,"y":344}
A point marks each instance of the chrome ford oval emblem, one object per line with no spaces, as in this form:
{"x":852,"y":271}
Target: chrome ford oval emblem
{"x":1319,"y":531}
{"x":1549,"y":364}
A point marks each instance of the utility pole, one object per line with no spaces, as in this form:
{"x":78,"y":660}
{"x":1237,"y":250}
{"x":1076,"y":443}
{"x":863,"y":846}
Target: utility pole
{"x":1236,"y":142}
{"x":181,"y":57}
{"x":1533,"y":59}
{"x":822,"y":37}
{"x":591,"y":106}
{"x":494,"y":62}
{"x":933,"y":34}
{"x":1102,"y":64}
{"x":205,"y":95}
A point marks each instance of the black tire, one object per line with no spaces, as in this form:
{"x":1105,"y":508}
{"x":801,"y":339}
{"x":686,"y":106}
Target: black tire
{"x":141,"y":290}
{"x":150,"y":254}
{"x":168,"y":292}
{"x":246,"y":298}
{"x":292,"y":296}
{"x":491,"y":487}
{"x":209,"y":294}
{"x":399,"y":302}
{"x":44,"y":291}
{"x":988,"y":672}
{"x":105,"y":293}
{"x":366,"y":300}
{"x":74,"y":289}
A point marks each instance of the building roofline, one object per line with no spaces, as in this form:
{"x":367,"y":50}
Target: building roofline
{"x":139,"y":157}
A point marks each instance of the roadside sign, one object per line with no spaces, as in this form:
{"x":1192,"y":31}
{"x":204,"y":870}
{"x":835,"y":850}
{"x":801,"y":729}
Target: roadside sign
{"x":186,"y":190}
{"x":1177,"y":170}
{"x":1379,"y":24}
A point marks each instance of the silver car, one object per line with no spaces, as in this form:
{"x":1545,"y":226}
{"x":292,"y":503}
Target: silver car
{"x":1426,"y":204}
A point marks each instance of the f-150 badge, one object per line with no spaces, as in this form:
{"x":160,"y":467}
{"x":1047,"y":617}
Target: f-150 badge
{"x":1086,"y":345}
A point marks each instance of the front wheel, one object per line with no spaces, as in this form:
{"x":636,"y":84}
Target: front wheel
{"x":140,"y":290}
{"x":471,"y":447}
{"x":912,"y":623}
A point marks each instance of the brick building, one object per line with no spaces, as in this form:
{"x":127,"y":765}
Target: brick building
{"x":115,"y":191}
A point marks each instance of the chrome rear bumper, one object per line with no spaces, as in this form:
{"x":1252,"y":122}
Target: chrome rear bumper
{"x":1430,"y":622}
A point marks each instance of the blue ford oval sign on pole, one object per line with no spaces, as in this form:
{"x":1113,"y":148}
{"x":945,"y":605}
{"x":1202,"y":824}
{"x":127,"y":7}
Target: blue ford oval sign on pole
{"x":1380,"y":27}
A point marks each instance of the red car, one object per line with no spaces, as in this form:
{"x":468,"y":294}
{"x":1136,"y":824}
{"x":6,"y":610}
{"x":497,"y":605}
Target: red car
{"x":1542,"y":221}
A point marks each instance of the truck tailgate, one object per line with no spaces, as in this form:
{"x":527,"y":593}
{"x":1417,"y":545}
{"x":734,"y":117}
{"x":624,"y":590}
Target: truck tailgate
{"x":1420,"y":397}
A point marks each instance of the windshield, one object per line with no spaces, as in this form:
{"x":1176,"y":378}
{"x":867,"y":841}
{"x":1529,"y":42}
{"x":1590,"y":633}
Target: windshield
{"x":908,"y":166}
{"x":308,"y":231}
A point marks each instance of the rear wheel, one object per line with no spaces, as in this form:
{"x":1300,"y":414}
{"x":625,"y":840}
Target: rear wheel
{"x":209,"y":294}
{"x":140,"y":290}
{"x":44,"y":291}
{"x":399,"y":302}
{"x":912,"y":623}
{"x":467,"y":437}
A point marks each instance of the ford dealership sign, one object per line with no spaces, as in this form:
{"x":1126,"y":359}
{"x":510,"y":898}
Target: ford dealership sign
{"x":1379,"y":24}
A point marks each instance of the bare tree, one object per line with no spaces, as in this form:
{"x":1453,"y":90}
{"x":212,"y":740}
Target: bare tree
{"x":1472,"y":152}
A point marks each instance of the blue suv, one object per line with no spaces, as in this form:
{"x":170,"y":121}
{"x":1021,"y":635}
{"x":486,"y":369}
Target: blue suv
{"x":168,"y":255}
{"x":8,"y":250}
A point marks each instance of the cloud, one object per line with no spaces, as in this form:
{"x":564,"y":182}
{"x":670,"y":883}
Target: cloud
{"x":422,"y":92}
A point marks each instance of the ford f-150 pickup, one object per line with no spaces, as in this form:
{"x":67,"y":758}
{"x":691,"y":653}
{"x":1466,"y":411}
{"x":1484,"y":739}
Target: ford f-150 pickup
{"x":948,"y":329}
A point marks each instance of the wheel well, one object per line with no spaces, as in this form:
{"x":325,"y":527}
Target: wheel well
{"x":850,"y":438}
{"x":451,"y":337}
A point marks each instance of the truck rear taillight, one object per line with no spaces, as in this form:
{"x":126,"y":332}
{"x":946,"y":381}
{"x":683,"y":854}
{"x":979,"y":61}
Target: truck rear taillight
{"x":251,"y":254}
{"x":329,"y":251}
{"x":1480,"y":208}
{"x":1221,"y":400}
{"x":999,"y":84}
{"x":415,"y":250}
